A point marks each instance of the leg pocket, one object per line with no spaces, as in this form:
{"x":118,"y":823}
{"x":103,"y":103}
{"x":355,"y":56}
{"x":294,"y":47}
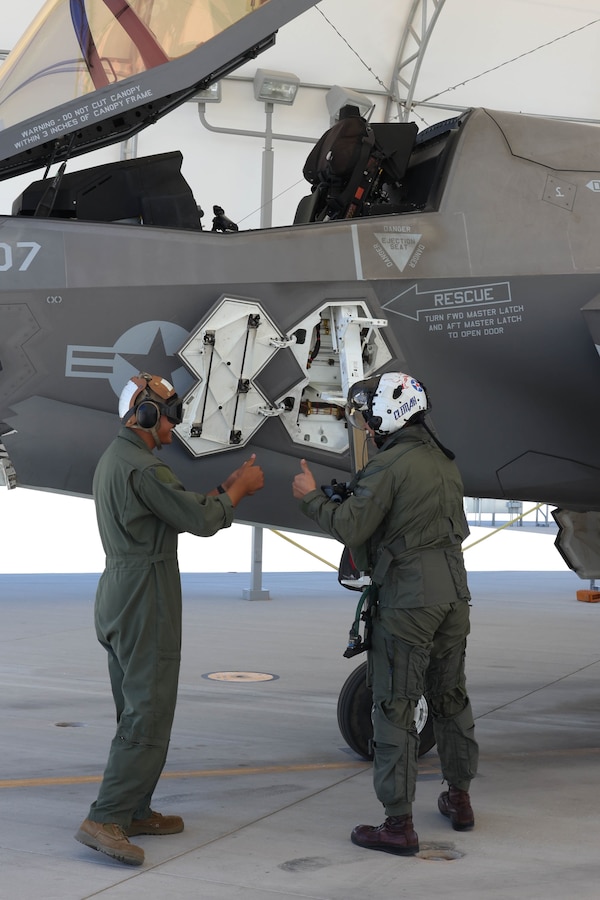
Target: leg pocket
{"x":396,"y":668}
{"x":410,"y":667}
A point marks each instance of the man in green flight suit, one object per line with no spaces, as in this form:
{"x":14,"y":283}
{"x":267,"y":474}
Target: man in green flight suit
{"x":141,"y":507}
{"x":404,"y":524}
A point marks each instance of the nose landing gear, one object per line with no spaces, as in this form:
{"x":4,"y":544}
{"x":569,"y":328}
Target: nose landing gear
{"x":354,"y":716}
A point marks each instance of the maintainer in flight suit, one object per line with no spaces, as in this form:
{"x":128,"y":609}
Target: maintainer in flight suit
{"x":141,"y":507}
{"x":404,"y":523}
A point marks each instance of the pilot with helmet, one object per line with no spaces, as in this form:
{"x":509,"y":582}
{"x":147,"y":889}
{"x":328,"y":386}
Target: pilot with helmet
{"x":404,"y":523}
{"x":141,"y":507}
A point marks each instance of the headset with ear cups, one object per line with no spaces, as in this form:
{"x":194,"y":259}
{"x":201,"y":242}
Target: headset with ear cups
{"x":144,"y":399}
{"x":147,"y":415}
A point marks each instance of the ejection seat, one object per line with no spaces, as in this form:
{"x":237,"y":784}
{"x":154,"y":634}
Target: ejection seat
{"x":356,"y":169}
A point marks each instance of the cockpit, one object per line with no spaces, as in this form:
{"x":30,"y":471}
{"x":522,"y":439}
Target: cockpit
{"x":89,"y":73}
{"x":355,"y":170}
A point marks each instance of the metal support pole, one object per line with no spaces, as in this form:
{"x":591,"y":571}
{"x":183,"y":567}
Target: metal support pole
{"x":266,"y":200}
{"x":256,"y":592}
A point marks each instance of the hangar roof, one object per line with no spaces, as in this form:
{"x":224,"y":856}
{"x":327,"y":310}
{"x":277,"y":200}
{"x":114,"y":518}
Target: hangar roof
{"x":533,"y":56}
{"x":411,"y":56}
{"x":418,"y":60}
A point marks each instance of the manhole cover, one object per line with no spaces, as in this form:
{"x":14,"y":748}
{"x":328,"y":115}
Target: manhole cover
{"x":439,"y":852}
{"x":240,"y":676}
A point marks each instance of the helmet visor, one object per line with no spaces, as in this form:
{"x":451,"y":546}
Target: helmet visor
{"x":356,"y":418}
{"x":360,"y":401}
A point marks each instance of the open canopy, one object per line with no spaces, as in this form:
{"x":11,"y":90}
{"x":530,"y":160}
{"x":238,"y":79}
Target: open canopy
{"x":416,"y":60}
{"x":87,"y":73}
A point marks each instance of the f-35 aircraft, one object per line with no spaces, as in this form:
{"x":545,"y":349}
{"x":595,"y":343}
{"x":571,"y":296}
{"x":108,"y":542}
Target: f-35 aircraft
{"x":465,"y":254}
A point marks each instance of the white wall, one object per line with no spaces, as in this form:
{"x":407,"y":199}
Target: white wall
{"x":48,"y":533}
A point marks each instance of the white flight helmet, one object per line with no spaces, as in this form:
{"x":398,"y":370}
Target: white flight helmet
{"x":385,"y":402}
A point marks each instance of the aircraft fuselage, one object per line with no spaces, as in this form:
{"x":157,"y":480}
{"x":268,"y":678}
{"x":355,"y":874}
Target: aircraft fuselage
{"x":489,"y":293}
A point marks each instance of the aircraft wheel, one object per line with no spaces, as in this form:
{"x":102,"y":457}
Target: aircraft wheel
{"x":354,"y":715}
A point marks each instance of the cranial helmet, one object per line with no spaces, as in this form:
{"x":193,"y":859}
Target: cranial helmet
{"x":145,"y":398}
{"x":385,"y":402}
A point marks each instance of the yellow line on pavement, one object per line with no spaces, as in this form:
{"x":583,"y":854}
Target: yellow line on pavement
{"x":424,"y":768}
{"x":200,"y":773}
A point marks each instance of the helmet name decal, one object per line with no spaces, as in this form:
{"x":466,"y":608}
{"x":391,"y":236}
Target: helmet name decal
{"x":406,"y":407}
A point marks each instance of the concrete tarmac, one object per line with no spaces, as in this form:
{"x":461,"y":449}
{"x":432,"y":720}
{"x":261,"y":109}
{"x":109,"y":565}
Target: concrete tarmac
{"x":258,"y":769}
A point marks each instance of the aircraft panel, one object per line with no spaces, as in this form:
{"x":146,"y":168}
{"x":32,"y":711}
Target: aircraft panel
{"x":475,"y":271}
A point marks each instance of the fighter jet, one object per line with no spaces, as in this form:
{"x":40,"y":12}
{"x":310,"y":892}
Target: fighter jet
{"x":464,"y":254}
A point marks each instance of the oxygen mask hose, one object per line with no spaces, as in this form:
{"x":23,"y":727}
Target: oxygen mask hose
{"x":356,"y":644}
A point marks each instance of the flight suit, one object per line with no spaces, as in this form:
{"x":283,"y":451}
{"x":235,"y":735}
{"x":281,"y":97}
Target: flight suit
{"x":404,"y":524}
{"x":141,"y":507}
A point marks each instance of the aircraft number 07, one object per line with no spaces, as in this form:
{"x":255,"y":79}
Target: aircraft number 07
{"x":10,"y":259}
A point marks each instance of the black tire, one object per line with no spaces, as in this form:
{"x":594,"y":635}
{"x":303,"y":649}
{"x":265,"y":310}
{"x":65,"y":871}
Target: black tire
{"x":354,"y":716}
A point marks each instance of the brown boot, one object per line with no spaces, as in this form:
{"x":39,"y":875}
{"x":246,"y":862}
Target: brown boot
{"x":396,"y":835}
{"x":110,"y":839}
{"x":456,"y":806}
{"x":155,"y":824}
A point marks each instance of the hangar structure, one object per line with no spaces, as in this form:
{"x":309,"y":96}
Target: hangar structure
{"x":410,"y":60}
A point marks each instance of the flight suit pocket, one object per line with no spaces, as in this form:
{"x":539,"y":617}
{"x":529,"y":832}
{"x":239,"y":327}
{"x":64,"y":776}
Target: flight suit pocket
{"x":456,"y":567}
{"x":403,"y":586}
{"x":408,"y":669}
{"x":447,"y":673}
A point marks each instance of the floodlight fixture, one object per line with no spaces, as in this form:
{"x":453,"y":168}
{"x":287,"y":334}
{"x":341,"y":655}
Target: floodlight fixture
{"x":211,"y":94}
{"x":337,"y":97}
{"x":275,"y":87}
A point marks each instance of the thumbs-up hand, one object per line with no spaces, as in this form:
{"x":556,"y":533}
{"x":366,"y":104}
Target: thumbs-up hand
{"x":304,"y":482}
{"x":251,"y":476}
{"x":245,"y":481}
